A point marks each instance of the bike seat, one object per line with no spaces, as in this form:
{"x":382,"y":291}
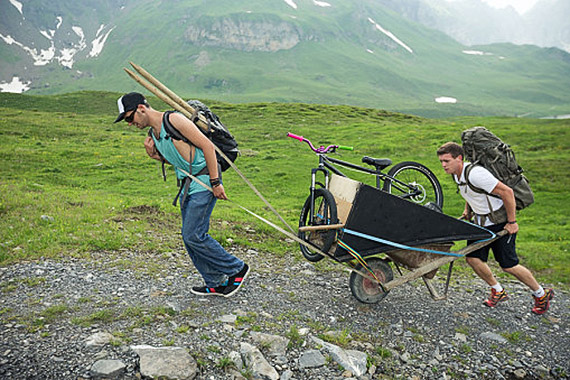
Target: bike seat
{"x":379,"y":163}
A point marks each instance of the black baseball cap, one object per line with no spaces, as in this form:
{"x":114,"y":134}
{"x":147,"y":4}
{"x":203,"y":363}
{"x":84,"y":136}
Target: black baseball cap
{"x":128,"y":103}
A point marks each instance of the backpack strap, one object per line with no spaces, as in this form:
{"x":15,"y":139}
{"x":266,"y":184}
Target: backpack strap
{"x":170,"y":130}
{"x":173,"y":133}
{"x":162,"y":160}
{"x":496,"y":216}
{"x":473,"y":187}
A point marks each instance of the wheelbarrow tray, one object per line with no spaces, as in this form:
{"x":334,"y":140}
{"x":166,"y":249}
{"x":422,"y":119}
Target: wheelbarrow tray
{"x":414,"y":259}
{"x":373,"y":216}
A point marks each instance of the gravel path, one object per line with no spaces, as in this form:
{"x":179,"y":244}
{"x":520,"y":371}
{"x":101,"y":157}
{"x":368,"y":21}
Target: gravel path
{"x":49,"y":308}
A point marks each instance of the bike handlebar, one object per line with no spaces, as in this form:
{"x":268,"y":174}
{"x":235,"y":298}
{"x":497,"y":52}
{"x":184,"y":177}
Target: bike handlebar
{"x":300,"y":138}
{"x":321,"y":149}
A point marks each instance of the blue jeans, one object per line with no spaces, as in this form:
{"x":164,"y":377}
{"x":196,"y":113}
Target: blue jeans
{"x":209,"y":257}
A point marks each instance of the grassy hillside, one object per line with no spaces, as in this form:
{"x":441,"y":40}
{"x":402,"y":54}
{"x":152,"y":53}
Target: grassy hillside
{"x":73,"y":182}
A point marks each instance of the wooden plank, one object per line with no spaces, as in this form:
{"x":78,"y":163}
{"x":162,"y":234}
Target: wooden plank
{"x":321,"y":228}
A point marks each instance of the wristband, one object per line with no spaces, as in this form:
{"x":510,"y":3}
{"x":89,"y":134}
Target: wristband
{"x":515,"y":222}
{"x":214,"y":182}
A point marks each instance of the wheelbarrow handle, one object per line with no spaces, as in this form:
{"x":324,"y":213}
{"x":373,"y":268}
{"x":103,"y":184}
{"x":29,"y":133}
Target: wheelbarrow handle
{"x":440,"y":262}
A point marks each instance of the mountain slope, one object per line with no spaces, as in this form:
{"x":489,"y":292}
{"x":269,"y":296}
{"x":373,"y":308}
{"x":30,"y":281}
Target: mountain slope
{"x":340,"y":52}
{"x":549,"y":20}
{"x":474,"y":22}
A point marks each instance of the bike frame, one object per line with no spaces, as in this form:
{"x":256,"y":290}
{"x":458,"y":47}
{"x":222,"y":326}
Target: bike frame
{"x":326,"y":166}
{"x":327,"y":162}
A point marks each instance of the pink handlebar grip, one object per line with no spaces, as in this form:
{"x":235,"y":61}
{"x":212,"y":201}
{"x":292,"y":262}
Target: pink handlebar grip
{"x":300,"y":138}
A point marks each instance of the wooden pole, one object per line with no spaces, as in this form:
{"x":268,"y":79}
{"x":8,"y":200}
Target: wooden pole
{"x":159,"y":94}
{"x":322,"y":227}
{"x":201,"y":122}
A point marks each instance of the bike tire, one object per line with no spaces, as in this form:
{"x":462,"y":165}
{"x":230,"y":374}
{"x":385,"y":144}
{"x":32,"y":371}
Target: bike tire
{"x":368,"y":291}
{"x":325,"y":213}
{"x":416,"y":174}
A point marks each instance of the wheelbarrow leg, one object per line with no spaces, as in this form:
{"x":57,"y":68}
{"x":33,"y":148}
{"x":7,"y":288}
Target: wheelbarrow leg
{"x":433,"y":290}
{"x":398,"y":268}
{"x":448,"y":278}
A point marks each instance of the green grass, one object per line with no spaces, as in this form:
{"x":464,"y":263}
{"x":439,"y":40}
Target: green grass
{"x":340,"y":338}
{"x":225,"y":363}
{"x":516,"y":337}
{"x":99,"y":192}
{"x":295,"y":339}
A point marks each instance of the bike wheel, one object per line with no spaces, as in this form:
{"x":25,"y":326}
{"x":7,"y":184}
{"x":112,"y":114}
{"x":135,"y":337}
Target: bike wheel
{"x":368,"y":291}
{"x":324,"y":212}
{"x":418,"y":177}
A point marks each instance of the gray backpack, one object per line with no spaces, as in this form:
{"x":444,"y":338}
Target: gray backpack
{"x":483,"y":148}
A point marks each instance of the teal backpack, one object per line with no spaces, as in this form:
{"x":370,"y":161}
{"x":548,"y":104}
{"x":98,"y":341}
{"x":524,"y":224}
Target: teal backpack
{"x":483,"y":148}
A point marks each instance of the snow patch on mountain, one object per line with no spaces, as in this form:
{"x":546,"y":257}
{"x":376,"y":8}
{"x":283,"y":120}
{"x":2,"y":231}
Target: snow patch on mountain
{"x":391,"y":35}
{"x":475,"y":52}
{"x":481,"y":53}
{"x":47,"y":33}
{"x":79,"y":31}
{"x":321,"y":4}
{"x":445,"y":99}
{"x":18,"y":6}
{"x":67,"y":55}
{"x":16,"y":86}
{"x":99,"y":42}
{"x":7,"y":39}
{"x":41,"y":58}
{"x":318,"y":3}
{"x":291,"y":3}
{"x":64,"y":56}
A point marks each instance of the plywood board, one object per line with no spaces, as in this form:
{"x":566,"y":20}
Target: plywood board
{"x":344,"y":190}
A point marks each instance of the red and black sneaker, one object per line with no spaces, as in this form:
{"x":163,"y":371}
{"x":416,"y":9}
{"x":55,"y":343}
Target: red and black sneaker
{"x":206,"y":291}
{"x":236,"y":281}
{"x":496,"y":297}
{"x":541,"y":304}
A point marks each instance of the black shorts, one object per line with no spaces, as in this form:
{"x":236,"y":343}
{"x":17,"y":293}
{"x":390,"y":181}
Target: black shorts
{"x":503,"y":248}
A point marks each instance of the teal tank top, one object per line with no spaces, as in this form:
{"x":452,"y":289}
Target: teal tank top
{"x":171,"y":154}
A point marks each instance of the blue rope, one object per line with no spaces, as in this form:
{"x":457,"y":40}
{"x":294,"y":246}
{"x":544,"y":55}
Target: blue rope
{"x":402,"y":246}
{"x":493,"y":235}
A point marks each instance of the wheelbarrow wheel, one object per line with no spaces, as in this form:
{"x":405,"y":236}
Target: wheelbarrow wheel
{"x":417,"y":176}
{"x":366,"y":290}
{"x":324,"y":212}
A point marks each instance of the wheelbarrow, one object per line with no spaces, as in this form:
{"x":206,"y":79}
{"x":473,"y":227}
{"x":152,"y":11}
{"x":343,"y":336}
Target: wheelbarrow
{"x":376,"y":229}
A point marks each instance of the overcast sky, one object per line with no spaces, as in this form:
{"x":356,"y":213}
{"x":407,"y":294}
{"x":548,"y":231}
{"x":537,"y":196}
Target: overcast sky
{"x":520,"y":5}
